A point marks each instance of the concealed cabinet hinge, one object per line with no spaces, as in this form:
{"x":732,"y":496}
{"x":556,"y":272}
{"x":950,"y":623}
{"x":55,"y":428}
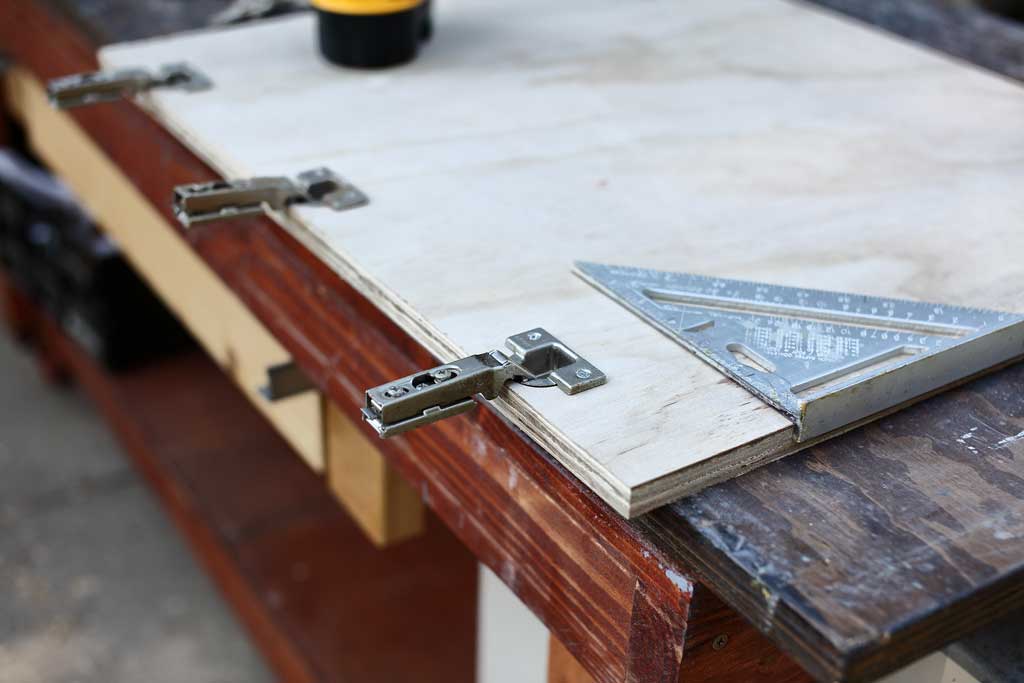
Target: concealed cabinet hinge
{"x":105,"y":86}
{"x":537,"y":359}
{"x":221,"y":199}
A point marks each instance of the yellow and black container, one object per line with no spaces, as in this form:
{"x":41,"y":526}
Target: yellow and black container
{"x":372,"y":33}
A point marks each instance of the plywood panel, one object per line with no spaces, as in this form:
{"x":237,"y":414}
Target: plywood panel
{"x":211,"y":312}
{"x":749,"y":139}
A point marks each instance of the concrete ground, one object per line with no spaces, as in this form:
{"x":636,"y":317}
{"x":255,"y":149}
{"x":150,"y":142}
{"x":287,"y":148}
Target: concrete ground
{"x":96,"y":585}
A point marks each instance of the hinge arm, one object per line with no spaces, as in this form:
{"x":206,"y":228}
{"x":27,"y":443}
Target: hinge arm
{"x":222,"y":199}
{"x":538,"y":360}
{"x":104,"y":86}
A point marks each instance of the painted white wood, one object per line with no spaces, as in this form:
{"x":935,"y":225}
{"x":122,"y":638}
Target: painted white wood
{"x":512,"y":644}
{"x":935,"y":668}
{"x":754,"y":139}
{"x":930,"y":669}
{"x":954,"y":673}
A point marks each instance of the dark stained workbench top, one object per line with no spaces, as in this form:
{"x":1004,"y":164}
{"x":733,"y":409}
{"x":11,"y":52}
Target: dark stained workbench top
{"x":958,"y":27}
{"x":961,"y":28}
{"x":907,"y":531}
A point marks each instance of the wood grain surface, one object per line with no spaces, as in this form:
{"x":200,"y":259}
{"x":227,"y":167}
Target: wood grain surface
{"x":905,"y":516}
{"x":549,"y":537}
{"x":683,"y":138}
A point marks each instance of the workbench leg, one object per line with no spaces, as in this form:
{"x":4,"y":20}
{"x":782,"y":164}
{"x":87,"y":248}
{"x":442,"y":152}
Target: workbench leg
{"x":383,"y":504}
{"x":722,"y":646}
{"x":719,"y":646}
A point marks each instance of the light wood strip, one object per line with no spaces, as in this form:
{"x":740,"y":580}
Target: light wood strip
{"x":217,"y":319}
{"x":386,"y":506}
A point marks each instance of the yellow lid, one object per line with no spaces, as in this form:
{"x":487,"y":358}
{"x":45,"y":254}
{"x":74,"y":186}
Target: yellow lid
{"x":365,"y":6}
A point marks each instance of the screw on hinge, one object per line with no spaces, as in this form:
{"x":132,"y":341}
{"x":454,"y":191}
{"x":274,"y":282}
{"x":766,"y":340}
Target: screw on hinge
{"x":720,"y":641}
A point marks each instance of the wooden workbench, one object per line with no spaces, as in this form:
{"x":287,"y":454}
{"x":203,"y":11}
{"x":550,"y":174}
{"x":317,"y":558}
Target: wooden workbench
{"x":674,"y":139}
{"x":889,"y":542}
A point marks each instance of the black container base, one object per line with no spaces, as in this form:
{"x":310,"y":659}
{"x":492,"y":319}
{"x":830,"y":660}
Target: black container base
{"x":373,"y":41}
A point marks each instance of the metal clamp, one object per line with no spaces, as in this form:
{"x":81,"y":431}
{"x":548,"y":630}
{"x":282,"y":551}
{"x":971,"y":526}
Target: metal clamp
{"x":284,"y":381}
{"x":102,"y":86}
{"x":538,"y":359}
{"x":223,"y":199}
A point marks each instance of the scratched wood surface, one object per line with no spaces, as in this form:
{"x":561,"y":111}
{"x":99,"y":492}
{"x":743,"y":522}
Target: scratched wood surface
{"x":901,"y":517}
{"x":759,"y":140}
{"x":314,"y":314}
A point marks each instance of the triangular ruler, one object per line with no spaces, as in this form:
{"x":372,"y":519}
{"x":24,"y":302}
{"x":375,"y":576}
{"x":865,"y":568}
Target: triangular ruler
{"x":828,"y":360}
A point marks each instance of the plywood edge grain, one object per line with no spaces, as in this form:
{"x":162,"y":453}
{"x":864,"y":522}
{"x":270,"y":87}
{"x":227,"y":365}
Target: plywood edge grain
{"x":683,"y":483}
{"x":690,"y":480}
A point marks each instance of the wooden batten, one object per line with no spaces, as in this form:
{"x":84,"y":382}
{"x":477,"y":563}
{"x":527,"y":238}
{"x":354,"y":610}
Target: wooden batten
{"x":232,"y":335}
{"x":386,"y":506}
